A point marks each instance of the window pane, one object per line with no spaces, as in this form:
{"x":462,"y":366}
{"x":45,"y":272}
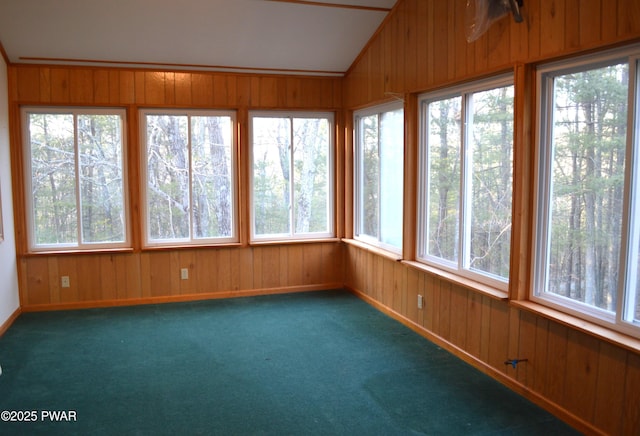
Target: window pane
{"x":311,"y":173}
{"x":101,"y":178}
{"x":444,"y":178}
{"x":370,"y":176}
{"x":491,"y":145}
{"x":53,"y":175}
{"x":587,"y":187}
{"x":271,"y":175}
{"x":211,"y":176}
{"x":167,"y":177}
{"x":392,"y":176}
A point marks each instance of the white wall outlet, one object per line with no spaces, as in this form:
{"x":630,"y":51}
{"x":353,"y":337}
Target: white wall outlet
{"x":420,"y":301}
{"x":64,"y":281}
{"x":184,"y":273}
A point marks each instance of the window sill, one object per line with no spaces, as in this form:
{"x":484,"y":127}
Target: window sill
{"x":258,"y":243}
{"x":190,"y":246}
{"x":592,"y":329}
{"x":75,"y":252}
{"x":459,"y":280}
{"x":373,"y":249}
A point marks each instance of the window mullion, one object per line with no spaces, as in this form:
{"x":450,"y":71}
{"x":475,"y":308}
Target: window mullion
{"x":190,"y":178}
{"x":292,"y":228}
{"x":78,"y":181}
{"x":464,"y":231}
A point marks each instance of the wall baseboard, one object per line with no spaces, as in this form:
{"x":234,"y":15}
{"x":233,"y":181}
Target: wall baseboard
{"x":180,"y":298}
{"x":482,"y":366}
{"x":5,"y":326}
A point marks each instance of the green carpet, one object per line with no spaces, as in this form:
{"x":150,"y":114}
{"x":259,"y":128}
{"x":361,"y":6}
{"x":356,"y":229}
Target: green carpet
{"x":322,"y":363}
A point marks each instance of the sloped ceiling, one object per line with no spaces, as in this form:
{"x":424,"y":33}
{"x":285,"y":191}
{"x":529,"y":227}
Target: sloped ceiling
{"x":295,"y":37}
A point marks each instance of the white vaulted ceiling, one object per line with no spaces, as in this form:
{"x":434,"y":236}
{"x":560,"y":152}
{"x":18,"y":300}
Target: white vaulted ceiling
{"x":299,"y":37}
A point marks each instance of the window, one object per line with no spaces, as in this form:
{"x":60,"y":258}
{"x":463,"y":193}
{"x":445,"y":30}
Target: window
{"x":75,"y":178}
{"x":588,"y":204}
{"x":189,"y":166}
{"x":466,"y":167}
{"x":291,"y":175}
{"x":378,"y":175}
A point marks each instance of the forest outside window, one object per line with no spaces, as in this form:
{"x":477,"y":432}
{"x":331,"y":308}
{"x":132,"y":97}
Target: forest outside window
{"x":378,"y":176}
{"x":588,"y":204}
{"x":75,"y":178}
{"x":465,"y":173}
{"x":189,"y":165}
{"x":291,"y":175}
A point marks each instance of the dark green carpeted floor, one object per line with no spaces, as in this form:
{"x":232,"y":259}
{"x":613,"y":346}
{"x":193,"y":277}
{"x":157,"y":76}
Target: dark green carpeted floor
{"x":296,"y":364}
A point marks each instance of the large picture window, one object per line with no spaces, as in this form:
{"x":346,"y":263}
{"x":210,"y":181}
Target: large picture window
{"x":75,"y":178}
{"x":588,"y":204}
{"x":465,"y":173}
{"x":291,"y":175}
{"x":189,"y":166}
{"x":378,"y":175}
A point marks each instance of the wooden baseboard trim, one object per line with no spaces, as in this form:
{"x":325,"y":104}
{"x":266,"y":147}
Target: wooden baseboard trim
{"x":180,"y":298}
{"x":5,"y":326}
{"x":553,"y":408}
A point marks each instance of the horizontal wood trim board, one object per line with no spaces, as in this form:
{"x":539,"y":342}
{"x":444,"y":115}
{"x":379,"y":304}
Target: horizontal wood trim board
{"x":512,"y":384}
{"x":179,"y":298}
{"x":334,"y":5}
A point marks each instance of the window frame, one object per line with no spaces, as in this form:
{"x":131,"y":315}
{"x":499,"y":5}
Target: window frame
{"x":191,"y":240}
{"x":458,"y":268}
{"x":630,"y":231}
{"x":292,"y":235}
{"x":74,"y":111}
{"x":377,"y":110}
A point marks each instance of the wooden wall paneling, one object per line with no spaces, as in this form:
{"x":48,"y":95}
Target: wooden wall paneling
{"x":628,"y":18}
{"x":169,"y":89}
{"x":154,"y":87}
{"x":462,"y":64}
{"x":246,"y":267}
{"x":88,"y":272}
{"x":399,"y":297}
{"x":220,"y":90}
{"x":422,"y":278}
{"x":44,"y":85}
{"x":444,"y":308}
{"x":458,"y":316}
{"x":101,"y":87}
{"x":590,"y":20}
{"x":28,"y":81}
{"x":474,"y":324}
{"x":498,"y":42}
{"x":257,"y":267}
{"x":312,"y":255}
{"x":552,"y":38}
{"x":450,"y":38}
{"x":388,"y":281}
{"x":206,"y":273}
{"x":139,"y":87}
{"x":128,"y":276}
{"x":270,"y":266}
{"x":235,"y":269}
{"x":485,"y":328}
{"x":38,"y":281}
{"x":182,"y":89}
{"x":554,"y":384}
{"x":127,"y":87}
{"x":411,"y":44}
{"x":532,"y":20}
{"x":527,"y":349}
{"x":411,"y":310}
{"x":573,"y":24}
{"x":332,"y":270}
{"x":499,"y":334}
{"x":201,"y":90}
{"x":223,"y":269}
{"x":60,"y":85}
{"x":186,"y":259}
{"x":68,"y":266}
{"x":283,"y":280}
{"x":80,"y":86}
{"x":440,"y":19}
{"x":377,"y":285}
{"x":581,"y":374}
{"x":295,"y":270}
{"x":375,"y":63}
{"x":519,"y":38}
{"x":609,"y":392}
{"x":513,"y":343}
{"x":54,"y":279}
{"x":630,"y":415}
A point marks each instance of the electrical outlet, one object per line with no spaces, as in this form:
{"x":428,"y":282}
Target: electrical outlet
{"x":184,"y":273}
{"x":420,"y":301}
{"x":64,"y":282}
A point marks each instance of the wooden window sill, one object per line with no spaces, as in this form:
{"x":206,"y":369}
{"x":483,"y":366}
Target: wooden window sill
{"x":373,"y":249}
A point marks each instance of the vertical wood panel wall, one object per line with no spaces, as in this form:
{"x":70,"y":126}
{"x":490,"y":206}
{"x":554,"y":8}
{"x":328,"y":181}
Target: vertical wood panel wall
{"x":141,"y":275}
{"x":592,"y":383}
